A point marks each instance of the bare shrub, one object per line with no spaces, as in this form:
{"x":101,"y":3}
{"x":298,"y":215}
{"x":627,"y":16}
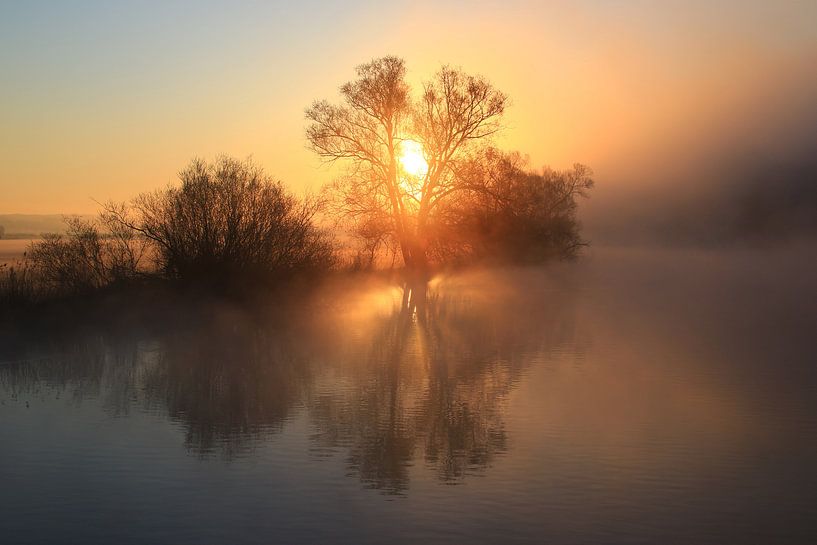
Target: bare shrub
{"x":227,"y":222}
{"x":89,"y":256}
{"x":126,"y":250}
{"x":72,"y":262}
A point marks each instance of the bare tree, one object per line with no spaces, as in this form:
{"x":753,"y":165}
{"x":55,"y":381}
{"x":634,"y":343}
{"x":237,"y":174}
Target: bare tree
{"x":507,"y":212}
{"x":369,"y":130}
{"x":228,"y":222}
{"x":455,"y":110}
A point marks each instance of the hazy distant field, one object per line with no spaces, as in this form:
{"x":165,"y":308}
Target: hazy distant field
{"x":12,"y":249}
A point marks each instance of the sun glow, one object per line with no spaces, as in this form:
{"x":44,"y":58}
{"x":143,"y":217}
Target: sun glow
{"x":412,"y":159}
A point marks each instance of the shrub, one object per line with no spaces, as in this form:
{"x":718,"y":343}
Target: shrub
{"x":227,"y":222}
{"x":85,"y":259}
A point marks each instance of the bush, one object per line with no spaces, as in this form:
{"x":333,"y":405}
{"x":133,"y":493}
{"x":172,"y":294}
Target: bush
{"x":227,"y":222}
{"x":84,"y":259}
{"x":509,"y":213}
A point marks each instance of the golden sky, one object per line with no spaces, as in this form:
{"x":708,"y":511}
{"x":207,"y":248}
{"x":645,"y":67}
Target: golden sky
{"x":103,"y":100}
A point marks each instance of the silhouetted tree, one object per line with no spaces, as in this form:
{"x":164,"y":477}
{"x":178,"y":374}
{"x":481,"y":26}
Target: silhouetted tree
{"x":386,"y":203}
{"x":506,"y":212}
{"x":228,"y":221}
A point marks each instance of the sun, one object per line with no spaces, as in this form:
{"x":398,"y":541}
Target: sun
{"x":412,"y":159}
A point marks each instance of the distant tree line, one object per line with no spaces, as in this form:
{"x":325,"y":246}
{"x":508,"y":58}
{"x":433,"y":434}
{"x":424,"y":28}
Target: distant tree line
{"x":227,"y":224}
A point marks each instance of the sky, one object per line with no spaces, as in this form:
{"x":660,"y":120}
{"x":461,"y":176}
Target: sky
{"x":104,"y":100}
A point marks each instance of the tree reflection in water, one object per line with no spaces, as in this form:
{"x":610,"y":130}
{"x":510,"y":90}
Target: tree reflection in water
{"x":230,"y":387}
{"x":423,"y":379}
{"x":432,"y":381}
{"x":429,"y":389}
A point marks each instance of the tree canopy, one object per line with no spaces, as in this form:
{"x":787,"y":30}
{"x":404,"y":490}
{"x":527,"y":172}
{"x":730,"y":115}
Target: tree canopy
{"x":412,"y":162}
{"x":371,"y":129}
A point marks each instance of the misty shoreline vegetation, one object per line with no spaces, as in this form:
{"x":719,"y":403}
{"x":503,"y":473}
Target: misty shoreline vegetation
{"x":423,"y":188}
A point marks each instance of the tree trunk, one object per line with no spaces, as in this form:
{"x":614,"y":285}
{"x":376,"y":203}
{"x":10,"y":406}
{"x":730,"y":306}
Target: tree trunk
{"x":415,"y":259}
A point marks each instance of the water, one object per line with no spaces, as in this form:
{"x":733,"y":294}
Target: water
{"x":634,"y":397}
{"x":12,"y":250}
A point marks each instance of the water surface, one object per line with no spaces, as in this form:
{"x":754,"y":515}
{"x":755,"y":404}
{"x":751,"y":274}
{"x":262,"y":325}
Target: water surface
{"x":633,"y":397}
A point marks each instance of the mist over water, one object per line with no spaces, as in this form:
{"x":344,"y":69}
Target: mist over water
{"x":737,"y":167}
{"x":631,"y":397}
